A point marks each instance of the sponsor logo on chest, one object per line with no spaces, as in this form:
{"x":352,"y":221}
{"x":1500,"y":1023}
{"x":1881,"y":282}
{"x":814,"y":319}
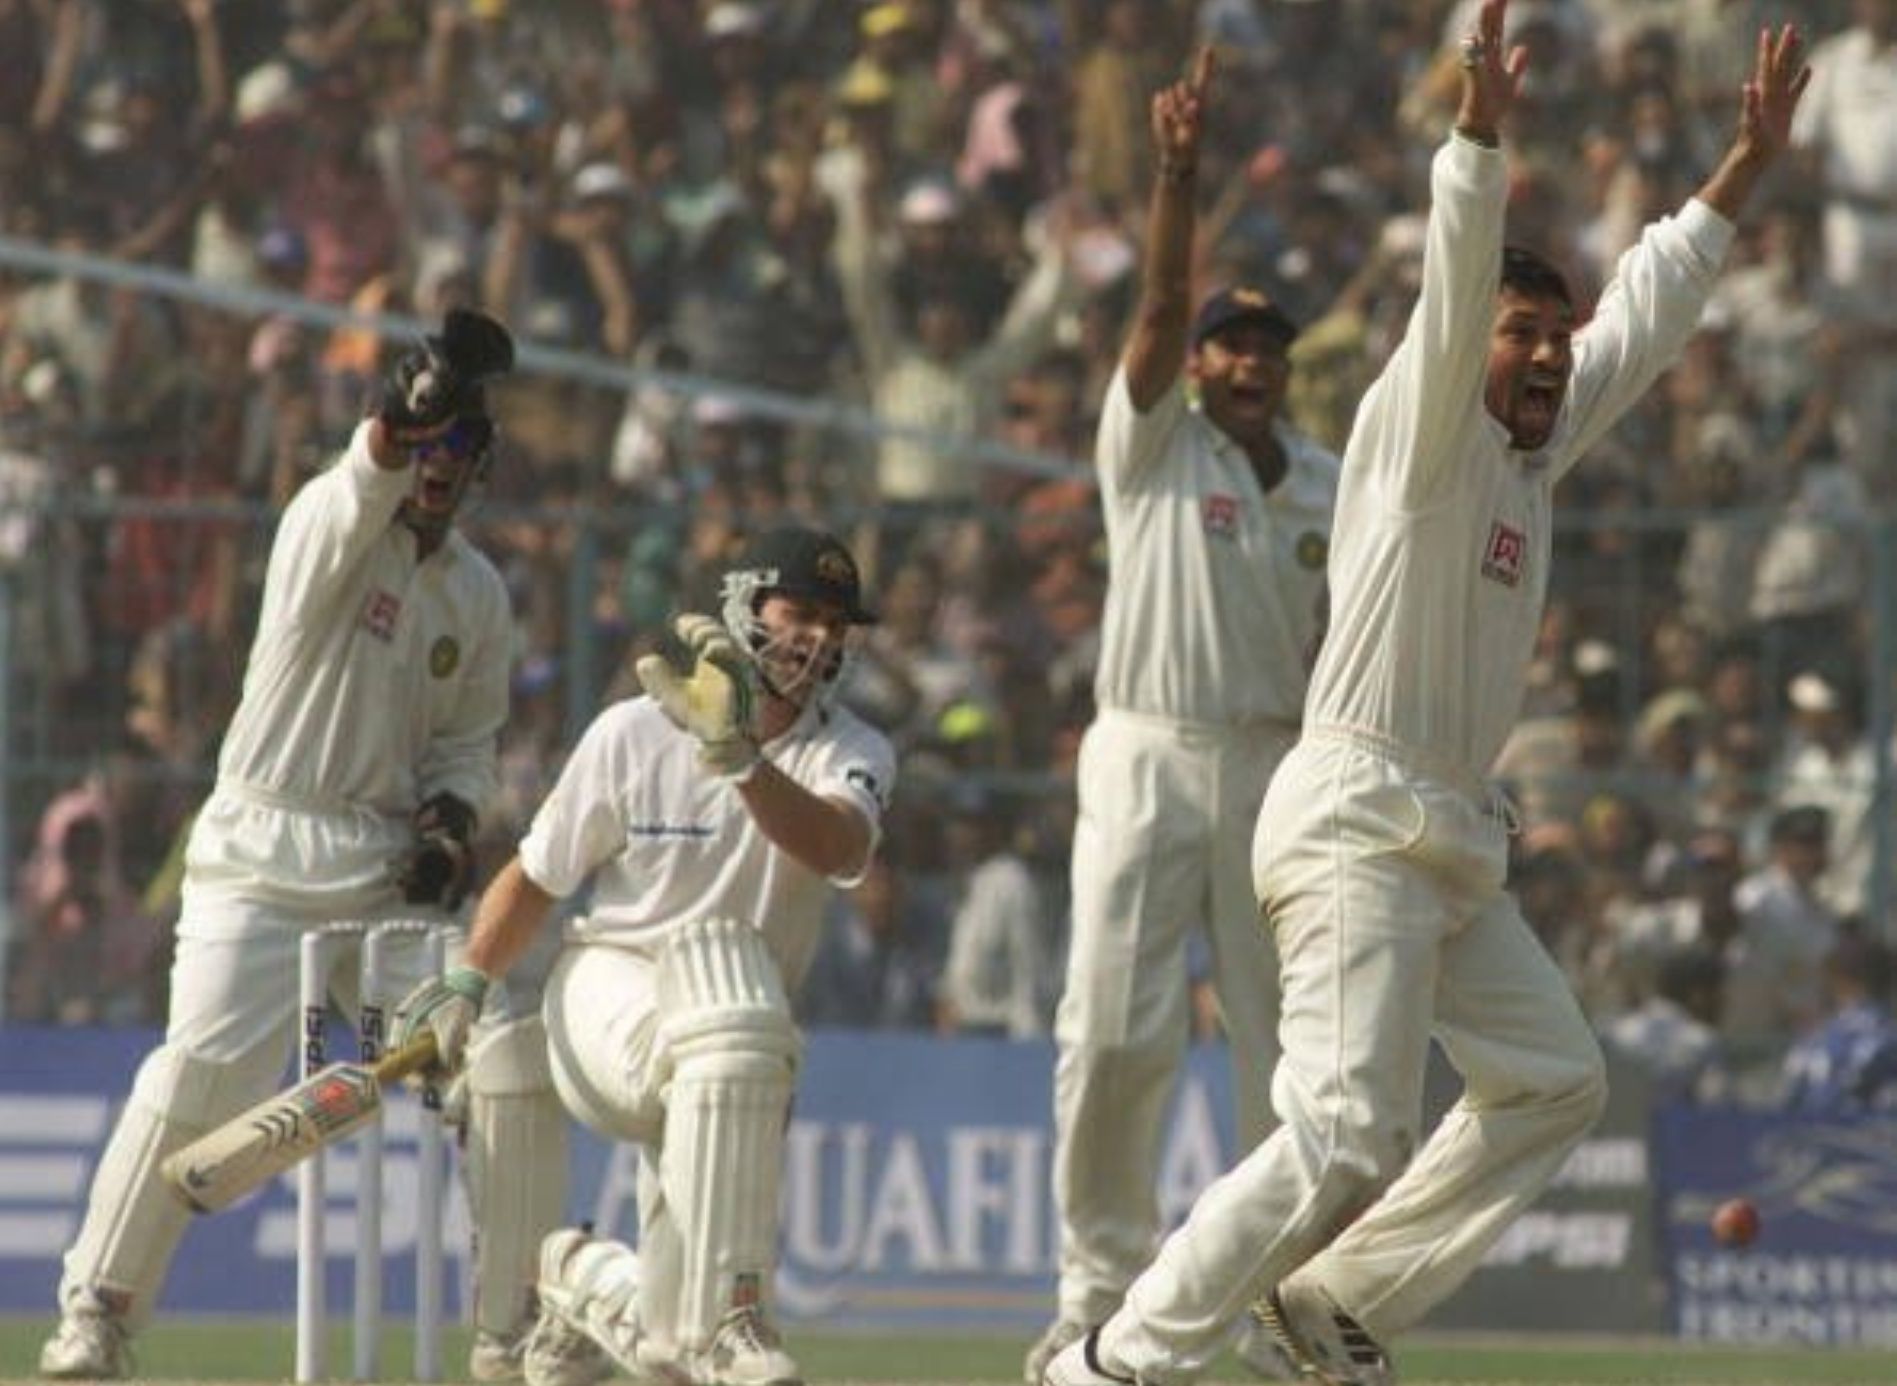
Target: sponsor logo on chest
{"x":1219,"y":514}
{"x":1505,"y":555}
{"x":380,"y":611}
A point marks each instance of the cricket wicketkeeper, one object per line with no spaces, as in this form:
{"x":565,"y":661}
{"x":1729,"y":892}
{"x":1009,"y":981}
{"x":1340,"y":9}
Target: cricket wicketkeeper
{"x":347,"y":790}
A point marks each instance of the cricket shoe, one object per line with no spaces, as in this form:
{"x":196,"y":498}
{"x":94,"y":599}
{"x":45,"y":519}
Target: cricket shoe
{"x":498,"y":1356}
{"x":1262,"y":1355}
{"x":589,"y":1313}
{"x":745,"y":1351}
{"x":1059,"y":1334}
{"x":1079,"y":1364}
{"x":91,"y":1343}
{"x":1325,"y":1343}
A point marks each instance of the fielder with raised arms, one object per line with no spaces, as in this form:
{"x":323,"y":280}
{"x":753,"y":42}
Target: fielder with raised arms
{"x":1218,"y":521}
{"x":1381,"y":849}
{"x":711,"y":817}
{"x":347,"y":788}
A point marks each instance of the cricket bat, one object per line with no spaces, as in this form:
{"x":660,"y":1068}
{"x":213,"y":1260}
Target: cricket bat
{"x":249,"y":1150}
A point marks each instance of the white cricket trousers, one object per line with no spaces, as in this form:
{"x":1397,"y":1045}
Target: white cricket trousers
{"x":1381,"y":875}
{"x":1163,"y":844}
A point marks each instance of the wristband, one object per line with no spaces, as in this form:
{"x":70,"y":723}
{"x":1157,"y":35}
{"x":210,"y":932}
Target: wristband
{"x":469,"y":983}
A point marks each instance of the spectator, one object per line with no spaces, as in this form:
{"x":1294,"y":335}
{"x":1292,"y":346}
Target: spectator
{"x":86,"y":953}
{"x":1851,"y":145}
{"x":1848,"y":1063}
{"x":1829,"y":764}
{"x":877,"y":965}
{"x":999,"y":978}
{"x":1554,"y":765}
{"x":937,"y":372}
{"x":1786,"y":930}
{"x":1673,"y":1036}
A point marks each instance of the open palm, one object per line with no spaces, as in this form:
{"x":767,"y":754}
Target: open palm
{"x":1779,"y":78}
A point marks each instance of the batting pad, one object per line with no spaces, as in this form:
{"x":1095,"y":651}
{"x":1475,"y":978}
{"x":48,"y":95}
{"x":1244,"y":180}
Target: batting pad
{"x":727,"y":1036}
{"x":133,"y":1221}
{"x":516,"y":1161}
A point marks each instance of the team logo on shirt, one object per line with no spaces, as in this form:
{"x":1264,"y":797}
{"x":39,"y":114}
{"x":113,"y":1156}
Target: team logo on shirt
{"x":1312,"y":550}
{"x":857,"y":775}
{"x":379,"y":613}
{"x":444,"y":656}
{"x":1505,"y":554}
{"x":1218,"y":512}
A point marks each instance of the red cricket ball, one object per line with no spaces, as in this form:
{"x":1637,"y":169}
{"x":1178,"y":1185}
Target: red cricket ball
{"x":1735,"y":1222}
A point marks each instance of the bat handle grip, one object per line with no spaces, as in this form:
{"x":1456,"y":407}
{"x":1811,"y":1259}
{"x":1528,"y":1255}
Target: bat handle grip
{"x":418,"y":1054}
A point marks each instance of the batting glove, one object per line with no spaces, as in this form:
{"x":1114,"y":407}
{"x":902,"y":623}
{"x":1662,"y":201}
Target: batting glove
{"x":714,"y":698}
{"x":448,"y":1005}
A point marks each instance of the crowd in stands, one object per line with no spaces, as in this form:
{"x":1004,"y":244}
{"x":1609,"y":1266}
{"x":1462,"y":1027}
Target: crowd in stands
{"x":933,"y":209}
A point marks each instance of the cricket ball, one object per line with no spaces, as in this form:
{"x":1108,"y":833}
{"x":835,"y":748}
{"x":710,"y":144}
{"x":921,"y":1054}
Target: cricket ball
{"x":1735,"y":1222}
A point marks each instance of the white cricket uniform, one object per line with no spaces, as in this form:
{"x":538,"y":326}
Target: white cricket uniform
{"x":664,"y":842}
{"x":1381,"y":850}
{"x":667,"y":848}
{"x":374,"y":682}
{"x":1215,"y":604}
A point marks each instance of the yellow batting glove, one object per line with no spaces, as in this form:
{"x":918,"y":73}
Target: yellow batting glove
{"x":714,"y":699}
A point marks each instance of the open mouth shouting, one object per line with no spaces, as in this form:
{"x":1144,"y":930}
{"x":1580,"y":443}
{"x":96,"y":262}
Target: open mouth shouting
{"x":1536,"y":408}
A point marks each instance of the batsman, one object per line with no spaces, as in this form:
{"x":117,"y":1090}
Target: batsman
{"x":710,"y":818}
{"x":347,"y":789}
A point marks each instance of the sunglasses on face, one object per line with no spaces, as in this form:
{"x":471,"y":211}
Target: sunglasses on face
{"x":463,"y":441}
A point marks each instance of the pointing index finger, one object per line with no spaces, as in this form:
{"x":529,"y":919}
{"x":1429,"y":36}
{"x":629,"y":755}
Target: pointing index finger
{"x":1203,"y":64}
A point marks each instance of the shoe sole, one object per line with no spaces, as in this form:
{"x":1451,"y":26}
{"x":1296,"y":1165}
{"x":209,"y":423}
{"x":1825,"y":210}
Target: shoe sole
{"x":1271,"y":1316}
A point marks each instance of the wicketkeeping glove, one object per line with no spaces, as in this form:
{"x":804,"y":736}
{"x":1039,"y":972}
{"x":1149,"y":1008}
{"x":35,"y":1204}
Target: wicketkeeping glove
{"x":418,"y":400}
{"x":714,"y":698}
{"x":447,"y":1005}
{"x":440,"y":378}
{"x":439,"y":868}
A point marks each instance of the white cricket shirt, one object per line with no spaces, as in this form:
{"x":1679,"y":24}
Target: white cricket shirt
{"x":1216,"y":588}
{"x":1439,"y":564}
{"x":663,"y":841}
{"x":375,"y":680}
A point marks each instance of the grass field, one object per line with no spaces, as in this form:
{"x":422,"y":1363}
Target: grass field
{"x":249,"y":1351}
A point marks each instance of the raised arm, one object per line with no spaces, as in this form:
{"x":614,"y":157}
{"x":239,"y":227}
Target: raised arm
{"x":1156,"y":350}
{"x":1779,"y":78}
{"x":1437,"y":371}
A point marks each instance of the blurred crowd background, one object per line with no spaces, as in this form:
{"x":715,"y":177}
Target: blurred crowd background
{"x":932,"y":210}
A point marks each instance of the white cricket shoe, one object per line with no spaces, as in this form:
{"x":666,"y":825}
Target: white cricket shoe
{"x":1325,"y":1342}
{"x":1079,"y":1364}
{"x":497,"y":1356}
{"x":1059,"y":1334}
{"x":91,"y":1343}
{"x":1261,"y":1354}
{"x":745,"y":1351}
{"x":557,"y":1354}
{"x":589,"y":1311}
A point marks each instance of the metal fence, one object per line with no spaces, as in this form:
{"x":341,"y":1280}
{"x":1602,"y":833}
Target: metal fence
{"x":131,"y":559}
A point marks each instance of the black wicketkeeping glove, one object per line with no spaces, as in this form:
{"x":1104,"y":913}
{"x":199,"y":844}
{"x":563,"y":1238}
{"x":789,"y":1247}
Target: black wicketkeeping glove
{"x":440,"y":379}
{"x":439,"y":869}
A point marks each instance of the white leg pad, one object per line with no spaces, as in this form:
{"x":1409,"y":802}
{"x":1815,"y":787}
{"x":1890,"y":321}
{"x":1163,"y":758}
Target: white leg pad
{"x":133,"y":1222}
{"x":731,"y":1047}
{"x":597,"y":1291}
{"x":516,"y":1162}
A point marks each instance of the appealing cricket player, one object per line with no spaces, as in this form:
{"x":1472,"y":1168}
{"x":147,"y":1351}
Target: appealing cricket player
{"x":346,"y":792}
{"x":710,"y":817}
{"x":1380,"y":849}
{"x":1218,"y":521}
